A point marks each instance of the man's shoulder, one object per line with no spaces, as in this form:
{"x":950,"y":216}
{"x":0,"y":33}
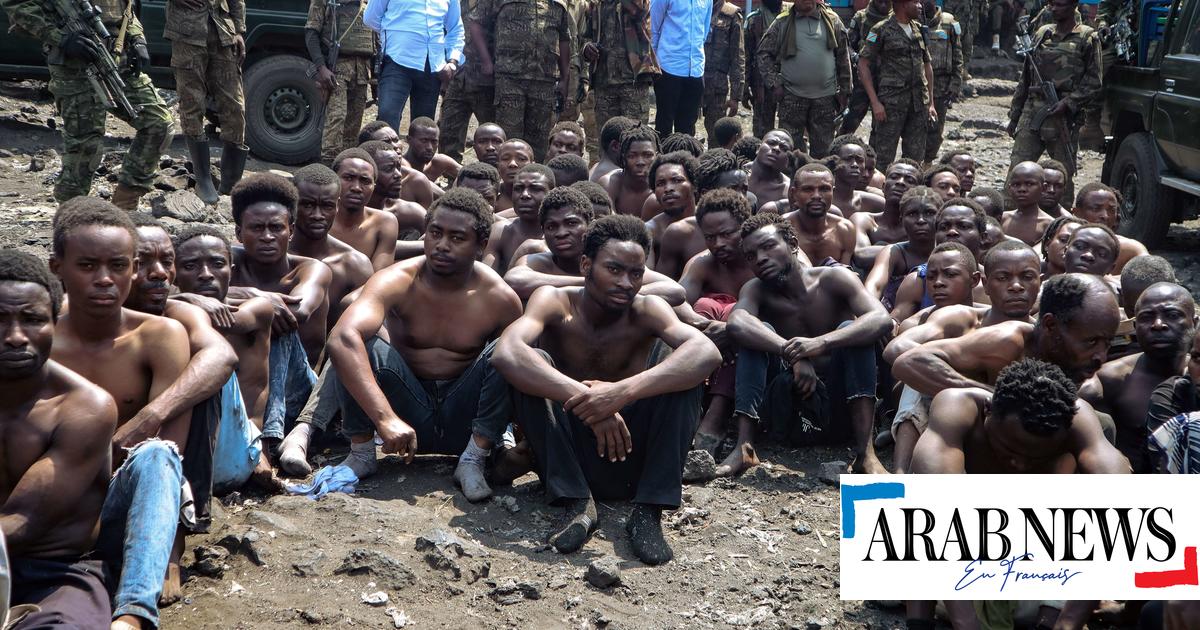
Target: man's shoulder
{"x":153,"y":330}
{"x":75,"y":392}
{"x":188,"y":315}
{"x":682,"y":228}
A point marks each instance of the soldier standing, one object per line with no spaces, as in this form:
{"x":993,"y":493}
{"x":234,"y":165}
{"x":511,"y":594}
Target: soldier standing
{"x":346,"y":85}
{"x":724,"y":64}
{"x":901,"y":96}
{"x":761,"y":100}
{"x":470,"y":92}
{"x":943,"y":36}
{"x":84,"y":111}
{"x":804,"y":60}
{"x":617,"y":43}
{"x":207,"y":51}
{"x":875,"y":12}
{"x":966,"y":12}
{"x":532,"y":61}
{"x":1066,"y":53}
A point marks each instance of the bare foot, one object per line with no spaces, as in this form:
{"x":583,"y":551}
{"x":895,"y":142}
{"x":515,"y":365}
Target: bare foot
{"x":742,"y":458}
{"x":126,"y":622}
{"x":867,"y":464}
{"x":706,"y":442}
{"x":512,"y":463}
{"x":172,"y":591}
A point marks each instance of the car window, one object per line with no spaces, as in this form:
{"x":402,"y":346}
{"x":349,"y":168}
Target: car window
{"x":1189,"y":25}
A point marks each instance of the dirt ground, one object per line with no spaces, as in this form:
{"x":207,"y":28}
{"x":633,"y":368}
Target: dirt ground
{"x":759,"y":551}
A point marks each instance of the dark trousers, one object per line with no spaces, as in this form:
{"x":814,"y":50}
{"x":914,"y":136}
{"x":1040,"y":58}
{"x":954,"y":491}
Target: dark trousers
{"x":443,"y":413}
{"x":661,"y":429}
{"x":764,"y":392}
{"x":677,"y":104}
{"x":70,"y":593}
{"x":397,"y":83}
{"x":198,"y":458}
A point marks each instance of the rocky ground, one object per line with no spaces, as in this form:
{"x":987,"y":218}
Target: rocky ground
{"x":408,"y":551}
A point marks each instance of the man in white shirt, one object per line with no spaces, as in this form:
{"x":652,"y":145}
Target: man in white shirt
{"x":422,"y":42}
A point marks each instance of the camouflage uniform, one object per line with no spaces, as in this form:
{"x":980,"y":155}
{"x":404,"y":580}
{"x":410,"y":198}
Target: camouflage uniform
{"x":470,"y":92}
{"x":797,"y":114}
{"x":1072,"y":62}
{"x":82,"y":112}
{"x":859,"y":105}
{"x":577,"y":9}
{"x":206,"y":64}
{"x":621,"y":77}
{"x":528,"y":35}
{"x":945,"y":48}
{"x":724,"y":63}
{"x":763,"y":100}
{"x":900,"y":86}
{"x":356,"y":57}
{"x":967,"y":14}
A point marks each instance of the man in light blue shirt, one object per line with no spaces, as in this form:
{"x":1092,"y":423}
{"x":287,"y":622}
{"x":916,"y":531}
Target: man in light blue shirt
{"x":422,"y":44}
{"x":678,"y":29}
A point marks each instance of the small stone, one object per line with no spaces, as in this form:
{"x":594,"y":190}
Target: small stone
{"x":210,"y":561}
{"x":166,"y":162}
{"x":831,"y":472}
{"x":801,"y":528}
{"x":312,"y":617}
{"x":180,"y":204}
{"x":29,"y":109}
{"x":508,"y":503}
{"x":604,"y":572}
{"x":386,"y":569}
{"x":815,"y":624}
{"x":307,"y":567}
{"x":699,"y":467}
{"x":510,"y":591}
{"x":5,"y":153}
{"x":36,"y":164}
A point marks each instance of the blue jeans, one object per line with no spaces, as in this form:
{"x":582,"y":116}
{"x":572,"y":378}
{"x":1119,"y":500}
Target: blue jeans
{"x":397,"y":83}
{"x":291,"y":381}
{"x":763,"y":392}
{"x":137,"y":526}
{"x":443,"y":413}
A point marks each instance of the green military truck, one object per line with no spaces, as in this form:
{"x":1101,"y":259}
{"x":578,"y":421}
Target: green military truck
{"x":282,"y":103}
{"x":1152,"y":120}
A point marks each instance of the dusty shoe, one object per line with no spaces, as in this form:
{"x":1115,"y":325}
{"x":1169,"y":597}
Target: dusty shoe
{"x":583,"y":520}
{"x":646,"y":536}
{"x":469,"y":475}
{"x":126,"y":197}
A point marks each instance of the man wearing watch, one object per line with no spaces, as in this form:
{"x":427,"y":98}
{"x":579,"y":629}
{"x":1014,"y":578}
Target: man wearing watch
{"x":82,"y":109}
{"x":417,"y":60}
{"x":207,"y":51}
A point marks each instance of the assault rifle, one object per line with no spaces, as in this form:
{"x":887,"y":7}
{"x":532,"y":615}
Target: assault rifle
{"x":1026,"y":47}
{"x":83,"y":18}
{"x":1119,"y":34}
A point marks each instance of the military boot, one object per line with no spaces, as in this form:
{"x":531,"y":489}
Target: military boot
{"x":233,"y":162}
{"x":126,"y":197}
{"x":202,"y":169}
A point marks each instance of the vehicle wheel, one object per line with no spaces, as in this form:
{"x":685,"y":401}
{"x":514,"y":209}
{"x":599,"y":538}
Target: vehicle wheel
{"x":1148,"y":206}
{"x":282,"y":110}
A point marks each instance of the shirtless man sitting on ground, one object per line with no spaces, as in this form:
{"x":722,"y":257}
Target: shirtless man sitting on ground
{"x":1028,"y":222}
{"x":423,"y":139}
{"x":825,"y":238}
{"x":529,"y":188}
{"x":370,"y":231}
{"x":1012,"y":281}
{"x":515,"y":155}
{"x":135,"y":357}
{"x":203,"y":274}
{"x":712,"y":281}
{"x":1098,"y":203}
{"x":963,"y":163}
{"x":486,"y":143}
{"x":415,"y":186}
{"x":772,"y":162}
{"x":610,"y":146}
{"x":848,"y":159}
{"x":1165,"y":324}
{"x":877,"y":229}
{"x":592,"y":380}
{"x":55,"y":431}
{"x":565,"y":216}
{"x":630,"y":186}
{"x":389,"y":188}
{"x":431,"y":385}
{"x":673,"y":176}
{"x":824,"y":325}
{"x":943,"y":179}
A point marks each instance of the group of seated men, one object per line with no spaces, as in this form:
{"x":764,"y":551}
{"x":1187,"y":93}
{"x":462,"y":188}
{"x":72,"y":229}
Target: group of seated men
{"x":590,"y":325}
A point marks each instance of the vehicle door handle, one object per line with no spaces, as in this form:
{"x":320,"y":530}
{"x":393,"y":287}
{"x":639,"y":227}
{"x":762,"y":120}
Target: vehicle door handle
{"x":1170,"y":84}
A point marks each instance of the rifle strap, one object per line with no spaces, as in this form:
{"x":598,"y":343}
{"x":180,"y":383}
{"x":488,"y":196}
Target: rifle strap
{"x":126,"y":16}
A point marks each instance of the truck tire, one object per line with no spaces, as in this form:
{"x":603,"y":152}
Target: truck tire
{"x":282,"y":110}
{"x":1148,"y":207}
